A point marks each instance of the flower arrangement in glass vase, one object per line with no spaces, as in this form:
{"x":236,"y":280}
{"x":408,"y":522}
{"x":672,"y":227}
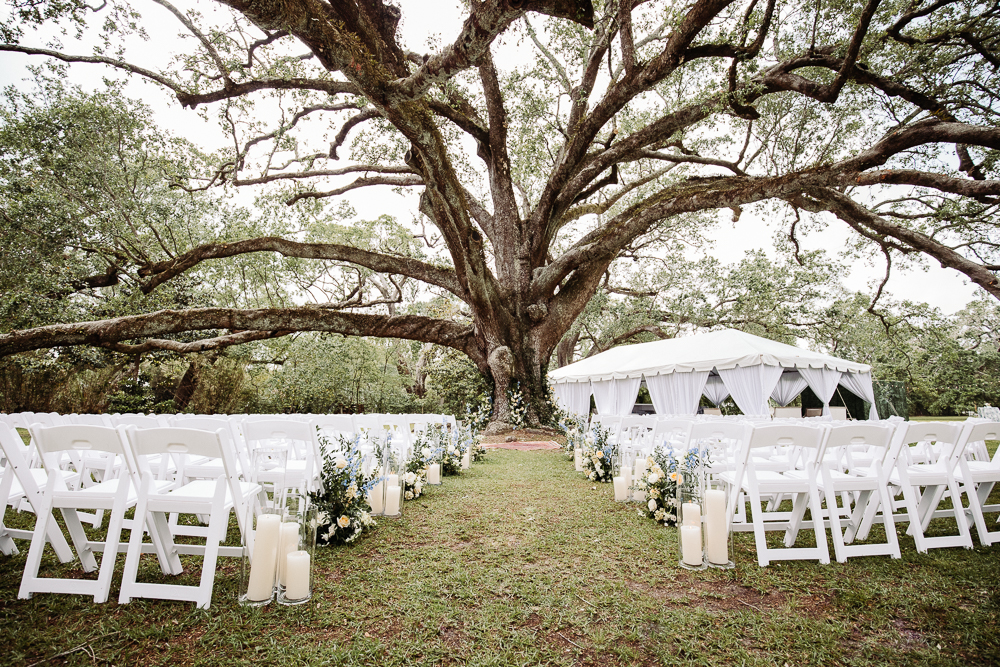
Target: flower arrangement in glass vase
{"x":341,"y":503}
{"x":452,"y":452}
{"x":665,"y":469}
{"x":415,"y":478}
{"x":573,"y":428}
{"x":599,"y":455}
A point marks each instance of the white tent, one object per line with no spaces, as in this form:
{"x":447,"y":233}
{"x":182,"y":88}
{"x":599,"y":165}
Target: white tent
{"x":678,"y":371}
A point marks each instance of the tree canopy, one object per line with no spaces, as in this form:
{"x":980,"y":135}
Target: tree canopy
{"x":546,"y":141}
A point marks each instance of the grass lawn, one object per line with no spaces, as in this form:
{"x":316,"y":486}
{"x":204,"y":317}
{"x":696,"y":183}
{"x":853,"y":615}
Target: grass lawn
{"x":522,"y":562}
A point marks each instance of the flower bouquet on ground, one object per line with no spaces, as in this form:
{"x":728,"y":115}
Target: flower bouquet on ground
{"x":478,"y":450}
{"x":414,"y":479}
{"x":341,"y":503}
{"x":598,"y":456}
{"x":665,"y":469}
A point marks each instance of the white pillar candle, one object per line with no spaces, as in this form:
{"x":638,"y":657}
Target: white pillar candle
{"x":716,"y":527}
{"x":640,"y":471}
{"x":621,"y":488}
{"x":578,"y":459}
{"x":692,"y":514}
{"x":691,"y":545}
{"x":392,"y":480}
{"x":375,"y":498}
{"x":392,"y":500}
{"x":288,"y":541}
{"x":264,"y":557}
{"x":467,"y":459}
{"x":434,"y":473}
{"x":297,"y":566}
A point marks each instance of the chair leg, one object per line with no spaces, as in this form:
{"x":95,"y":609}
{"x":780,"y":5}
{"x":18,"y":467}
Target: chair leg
{"x":34,"y":561}
{"x":134,"y":552}
{"x":799,"y":502}
{"x":885,"y":500}
{"x":111,"y":543}
{"x":81,"y":543}
{"x":819,"y":526}
{"x":856,"y":518}
{"x":835,"y":528}
{"x":913,"y":516}
{"x":218,"y":521}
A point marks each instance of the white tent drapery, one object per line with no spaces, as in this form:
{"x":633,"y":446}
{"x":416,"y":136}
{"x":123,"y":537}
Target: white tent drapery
{"x":616,"y":373}
{"x":750,"y":387}
{"x":789,"y":386}
{"x":573,"y":396}
{"x":715,"y":390}
{"x":676,"y":393}
{"x":823,"y":382}
{"x":616,"y":397}
{"x":860,"y":384}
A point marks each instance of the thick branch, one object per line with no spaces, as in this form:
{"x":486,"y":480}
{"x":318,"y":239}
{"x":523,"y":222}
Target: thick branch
{"x":166,"y":322}
{"x":442,"y":277}
{"x":217,"y":343}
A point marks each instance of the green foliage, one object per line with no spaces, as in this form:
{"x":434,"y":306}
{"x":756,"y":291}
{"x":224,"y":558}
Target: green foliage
{"x":456,"y":382}
{"x":342,"y":504}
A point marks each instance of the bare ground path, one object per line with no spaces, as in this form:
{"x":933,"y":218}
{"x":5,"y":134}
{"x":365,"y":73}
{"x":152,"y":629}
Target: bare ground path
{"x":521,"y":562}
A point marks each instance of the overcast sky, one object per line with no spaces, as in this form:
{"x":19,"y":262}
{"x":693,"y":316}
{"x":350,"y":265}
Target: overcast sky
{"x":944,"y":288}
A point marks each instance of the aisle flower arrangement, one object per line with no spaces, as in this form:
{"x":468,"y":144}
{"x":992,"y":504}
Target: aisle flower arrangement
{"x":665,"y":469}
{"x":341,"y":504}
{"x":414,"y":479}
{"x":599,"y":455}
{"x":478,"y":450}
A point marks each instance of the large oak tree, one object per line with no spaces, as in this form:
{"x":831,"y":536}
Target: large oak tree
{"x":625,"y":119}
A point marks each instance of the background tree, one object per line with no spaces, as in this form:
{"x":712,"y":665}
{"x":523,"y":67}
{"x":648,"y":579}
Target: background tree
{"x":627,"y":122}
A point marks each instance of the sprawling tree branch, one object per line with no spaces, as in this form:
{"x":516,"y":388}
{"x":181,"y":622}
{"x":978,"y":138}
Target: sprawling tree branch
{"x":443,"y":277}
{"x":165,"y":322}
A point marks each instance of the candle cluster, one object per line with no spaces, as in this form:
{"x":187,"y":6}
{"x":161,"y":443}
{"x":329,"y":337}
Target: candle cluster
{"x":277,"y":562}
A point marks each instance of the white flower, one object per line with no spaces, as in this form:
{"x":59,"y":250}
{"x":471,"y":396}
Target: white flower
{"x":451,"y":450}
{"x":426,"y":451}
{"x":417,"y":488}
{"x":352,"y":492}
{"x":599,"y":454}
{"x":408,"y":495}
{"x":593,"y":477}
{"x":322,"y":518}
{"x":344,"y":521}
{"x":653,"y":479}
{"x":651,"y":505}
{"x":341,"y":463}
{"x":411,"y":477}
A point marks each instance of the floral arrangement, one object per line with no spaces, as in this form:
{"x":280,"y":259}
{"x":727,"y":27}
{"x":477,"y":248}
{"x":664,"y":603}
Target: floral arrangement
{"x":665,"y":470}
{"x":478,"y":450}
{"x":342,"y":504}
{"x":518,"y":408}
{"x":414,"y":478}
{"x":472,"y":441}
{"x":478,"y":418}
{"x":599,"y":455}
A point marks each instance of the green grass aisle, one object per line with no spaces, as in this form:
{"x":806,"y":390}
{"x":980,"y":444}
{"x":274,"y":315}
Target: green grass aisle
{"x":521,"y":562}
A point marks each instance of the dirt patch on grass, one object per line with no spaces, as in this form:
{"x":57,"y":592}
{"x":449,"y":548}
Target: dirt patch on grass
{"x":910,"y":639}
{"x":710,"y":595}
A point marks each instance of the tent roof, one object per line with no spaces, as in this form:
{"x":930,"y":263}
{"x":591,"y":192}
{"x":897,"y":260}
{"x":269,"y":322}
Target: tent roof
{"x":727,"y":348}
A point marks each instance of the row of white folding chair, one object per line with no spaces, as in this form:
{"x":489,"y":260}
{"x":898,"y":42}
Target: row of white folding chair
{"x":154,"y":500}
{"x":871,"y":487}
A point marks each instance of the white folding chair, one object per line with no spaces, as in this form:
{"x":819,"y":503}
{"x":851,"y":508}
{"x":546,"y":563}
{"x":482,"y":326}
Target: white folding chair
{"x":115,"y":495}
{"x":935,"y":478}
{"x":978,"y":478}
{"x":759,"y":485}
{"x":869,"y":486}
{"x":215,"y":498}
{"x":300,"y":471}
{"x":19,"y":485}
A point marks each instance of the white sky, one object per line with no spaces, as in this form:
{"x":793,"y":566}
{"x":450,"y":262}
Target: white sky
{"x":943,"y":288}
